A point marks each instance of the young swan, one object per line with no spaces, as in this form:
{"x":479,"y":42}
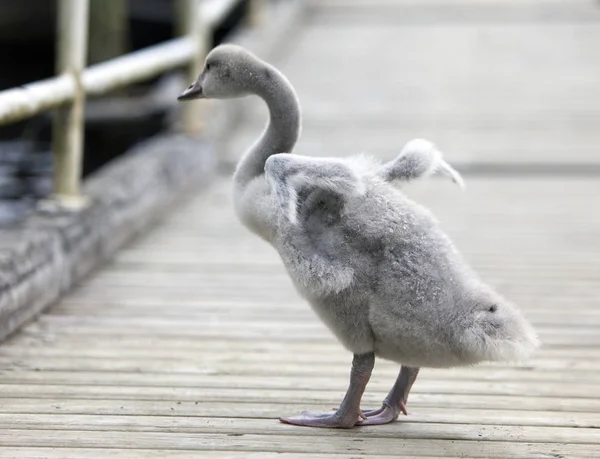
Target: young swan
{"x":374,"y":265}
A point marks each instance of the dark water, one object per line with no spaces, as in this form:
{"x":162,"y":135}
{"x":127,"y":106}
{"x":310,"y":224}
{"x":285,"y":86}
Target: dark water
{"x":25,"y":177}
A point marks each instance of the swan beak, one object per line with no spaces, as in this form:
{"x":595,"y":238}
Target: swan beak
{"x":191,"y":93}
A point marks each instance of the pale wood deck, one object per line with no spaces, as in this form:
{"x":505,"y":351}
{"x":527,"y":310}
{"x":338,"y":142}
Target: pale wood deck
{"x":192,"y":342}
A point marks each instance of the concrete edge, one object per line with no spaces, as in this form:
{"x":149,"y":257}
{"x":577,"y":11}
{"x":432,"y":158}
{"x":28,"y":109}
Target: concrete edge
{"x":44,"y":256}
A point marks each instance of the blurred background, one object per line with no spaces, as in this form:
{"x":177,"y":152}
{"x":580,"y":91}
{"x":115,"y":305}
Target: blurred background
{"x":505,"y":87}
{"x":113,"y":123}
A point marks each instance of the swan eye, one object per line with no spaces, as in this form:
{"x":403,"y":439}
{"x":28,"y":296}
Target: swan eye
{"x":494,"y":308}
{"x":207,"y":67}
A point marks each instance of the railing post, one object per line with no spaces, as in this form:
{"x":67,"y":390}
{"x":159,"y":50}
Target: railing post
{"x":191,"y":23}
{"x":108,"y":35}
{"x":257,"y":12}
{"x":68,"y":128}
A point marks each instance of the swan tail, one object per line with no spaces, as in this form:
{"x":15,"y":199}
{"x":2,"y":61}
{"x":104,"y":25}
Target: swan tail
{"x":498,"y":333}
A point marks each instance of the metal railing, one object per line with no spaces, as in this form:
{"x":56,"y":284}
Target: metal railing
{"x":67,"y":91}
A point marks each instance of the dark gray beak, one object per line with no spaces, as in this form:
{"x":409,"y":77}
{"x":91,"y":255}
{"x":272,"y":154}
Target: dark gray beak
{"x":191,"y":93}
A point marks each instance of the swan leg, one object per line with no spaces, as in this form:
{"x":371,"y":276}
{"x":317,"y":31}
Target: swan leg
{"x":348,"y":413}
{"x":395,"y":402}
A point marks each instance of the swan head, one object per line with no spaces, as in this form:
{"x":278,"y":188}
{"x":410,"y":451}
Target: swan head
{"x":229,"y":71}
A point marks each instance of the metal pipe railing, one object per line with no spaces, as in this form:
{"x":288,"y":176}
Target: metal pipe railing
{"x":20,"y":103}
{"x":67,"y":91}
{"x":67,"y":141}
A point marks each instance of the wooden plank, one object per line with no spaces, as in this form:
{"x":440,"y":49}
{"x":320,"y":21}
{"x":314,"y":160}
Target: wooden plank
{"x":95,"y":453}
{"x":203,"y":425}
{"x":328,"y":398}
{"x":334,"y":359}
{"x":337,"y":442}
{"x":228,"y":314}
{"x":550,"y":336}
{"x":185,"y":344}
{"x":579,"y":385}
{"x":587,"y":319}
{"x":251,"y":351}
{"x":418,"y":413}
{"x":135,"y":280}
{"x":280,"y":328}
{"x":324,"y":376}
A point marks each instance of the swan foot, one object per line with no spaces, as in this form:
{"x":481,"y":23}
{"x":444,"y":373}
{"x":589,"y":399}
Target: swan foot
{"x":383,"y":415}
{"x":349,"y":414}
{"x":332,"y":420}
{"x":395,"y":402}
{"x":386,"y":407}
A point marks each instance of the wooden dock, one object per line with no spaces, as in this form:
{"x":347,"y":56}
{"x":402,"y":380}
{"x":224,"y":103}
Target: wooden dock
{"x":192,"y":342}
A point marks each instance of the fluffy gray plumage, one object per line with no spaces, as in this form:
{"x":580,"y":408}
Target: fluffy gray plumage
{"x":374,"y":265}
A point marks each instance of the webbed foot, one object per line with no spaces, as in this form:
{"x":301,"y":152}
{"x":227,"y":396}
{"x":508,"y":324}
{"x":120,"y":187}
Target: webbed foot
{"x":331,"y":420}
{"x":349,"y":412}
{"x":383,"y":415}
{"x":395,"y":402}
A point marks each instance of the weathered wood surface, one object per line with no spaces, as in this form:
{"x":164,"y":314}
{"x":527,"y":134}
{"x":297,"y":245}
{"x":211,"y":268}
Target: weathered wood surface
{"x":186,"y":346}
{"x":48,"y":252}
{"x":192,"y":341}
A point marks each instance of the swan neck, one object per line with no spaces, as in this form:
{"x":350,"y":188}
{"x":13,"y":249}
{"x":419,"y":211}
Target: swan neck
{"x":283,"y":128}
